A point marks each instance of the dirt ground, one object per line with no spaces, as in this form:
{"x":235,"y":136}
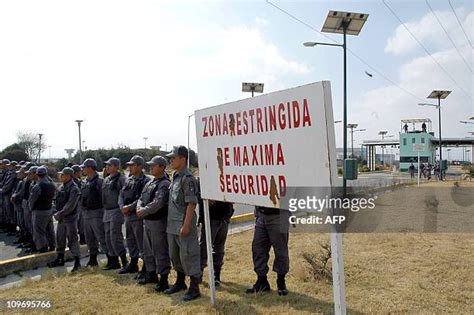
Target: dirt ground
{"x":385,"y":273}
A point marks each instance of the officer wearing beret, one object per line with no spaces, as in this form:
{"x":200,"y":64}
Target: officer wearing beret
{"x":271,"y":230}
{"x":182,"y":230}
{"x":66,"y":215}
{"x":93,"y":211}
{"x":76,"y":177}
{"x":128,"y":201}
{"x":153,"y":208}
{"x":41,"y":204}
{"x":113,"y":217}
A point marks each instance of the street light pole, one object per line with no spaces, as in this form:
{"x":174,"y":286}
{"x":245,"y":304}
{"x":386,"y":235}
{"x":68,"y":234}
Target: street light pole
{"x":438,"y":94}
{"x":189,"y":126}
{"x":440,"y":141}
{"x":344,"y":47}
{"x":40,"y":135}
{"x":80,"y":142}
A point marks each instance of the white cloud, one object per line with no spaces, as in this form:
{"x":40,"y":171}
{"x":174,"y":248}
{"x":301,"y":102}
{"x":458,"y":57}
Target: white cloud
{"x":429,"y":32}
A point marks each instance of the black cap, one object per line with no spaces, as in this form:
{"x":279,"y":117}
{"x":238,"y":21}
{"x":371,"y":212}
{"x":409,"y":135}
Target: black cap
{"x":178,"y":151}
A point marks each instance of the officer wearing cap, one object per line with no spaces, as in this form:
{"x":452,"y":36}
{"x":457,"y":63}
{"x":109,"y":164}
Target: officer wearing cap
{"x":66,"y":215}
{"x":153,"y":208}
{"x":29,"y":184}
{"x":113,"y":217}
{"x":7,"y":190}
{"x":76,"y":177}
{"x":271,"y":230}
{"x":128,"y":200}
{"x":93,"y":211}
{"x":41,"y":204}
{"x":182,"y":230}
{"x":16,"y":199}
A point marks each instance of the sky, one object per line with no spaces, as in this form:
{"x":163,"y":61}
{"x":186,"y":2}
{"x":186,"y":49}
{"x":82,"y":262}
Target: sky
{"x":138,"y":69}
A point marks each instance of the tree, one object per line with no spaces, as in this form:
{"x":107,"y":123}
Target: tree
{"x":29,"y":141}
{"x":14,"y":152}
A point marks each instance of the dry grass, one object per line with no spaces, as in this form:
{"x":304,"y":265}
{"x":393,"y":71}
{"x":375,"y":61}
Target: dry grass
{"x":427,"y":273}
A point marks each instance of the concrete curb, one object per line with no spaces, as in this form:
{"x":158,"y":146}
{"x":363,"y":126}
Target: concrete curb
{"x":34,"y":261}
{"x":242,"y":218}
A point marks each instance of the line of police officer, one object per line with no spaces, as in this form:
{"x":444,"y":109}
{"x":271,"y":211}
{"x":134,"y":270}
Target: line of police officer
{"x":159,"y":215}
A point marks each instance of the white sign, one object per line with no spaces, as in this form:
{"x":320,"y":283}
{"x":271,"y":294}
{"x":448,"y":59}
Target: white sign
{"x":251,"y":151}
{"x":418,"y":147}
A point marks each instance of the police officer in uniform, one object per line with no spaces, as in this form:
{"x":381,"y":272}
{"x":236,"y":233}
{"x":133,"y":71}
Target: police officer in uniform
{"x":153,"y":208}
{"x":220,"y":213}
{"x":3,"y":174}
{"x":182,"y":226}
{"x":29,"y":184}
{"x":3,"y":224}
{"x":76,"y":177}
{"x":113,"y":217}
{"x":128,"y":200}
{"x":7,"y":190}
{"x":93,"y":211}
{"x":16,"y":199}
{"x":271,"y":230}
{"x":66,"y":215}
{"x":41,"y":204}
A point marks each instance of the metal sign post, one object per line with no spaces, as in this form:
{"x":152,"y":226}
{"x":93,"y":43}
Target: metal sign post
{"x":418,"y":147}
{"x":419,"y":169}
{"x":210,"y":261}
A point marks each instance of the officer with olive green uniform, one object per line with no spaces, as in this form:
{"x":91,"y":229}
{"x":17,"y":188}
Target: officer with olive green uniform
{"x":182,"y":230}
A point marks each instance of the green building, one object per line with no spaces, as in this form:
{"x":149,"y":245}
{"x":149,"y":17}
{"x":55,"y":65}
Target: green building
{"x":416,"y":133}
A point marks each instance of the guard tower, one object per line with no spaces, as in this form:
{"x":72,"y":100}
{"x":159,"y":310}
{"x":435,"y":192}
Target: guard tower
{"x":416,"y":132}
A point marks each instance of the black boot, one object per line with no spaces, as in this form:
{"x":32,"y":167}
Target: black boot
{"x":261,"y":285}
{"x":77,"y":264}
{"x":82,"y":239}
{"x":132,"y":267}
{"x":179,"y":285}
{"x":163,"y":283}
{"x":141,"y":274}
{"x":217,"y":275}
{"x":58,"y":262}
{"x":112,"y":263}
{"x":92,"y":260}
{"x":43,"y":250}
{"x":282,"y":290}
{"x":124,"y":260}
{"x":51,"y":249}
{"x":193,"y":292}
{"x":150,"y":277}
